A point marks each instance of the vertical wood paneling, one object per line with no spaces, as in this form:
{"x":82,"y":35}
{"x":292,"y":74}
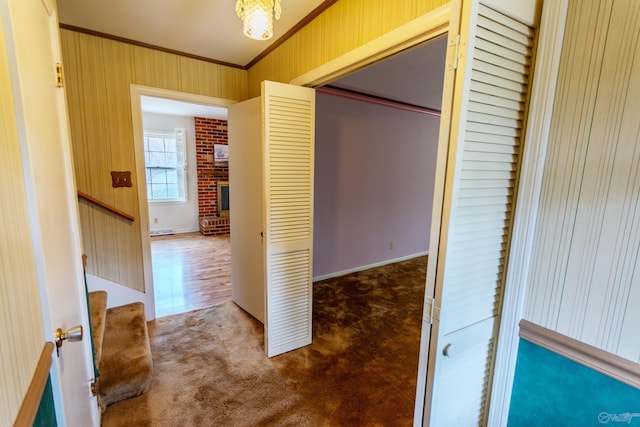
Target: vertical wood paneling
{"x":341,"y":28}
{"x":20,"y":316}
{"x":98,"y":75}
{"x":565,"y":161}
{"x":584,"y":282}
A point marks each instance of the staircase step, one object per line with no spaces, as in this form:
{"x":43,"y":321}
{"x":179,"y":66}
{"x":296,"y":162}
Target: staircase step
{"x":98,"y":313}
{"x":125,"y":369}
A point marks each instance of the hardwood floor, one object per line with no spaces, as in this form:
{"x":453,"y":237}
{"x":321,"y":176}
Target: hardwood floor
{"x":190,"y":271}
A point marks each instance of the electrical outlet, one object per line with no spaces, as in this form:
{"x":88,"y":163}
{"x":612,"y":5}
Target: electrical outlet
{"x":391,"y":245}
{"x":155,"y":220}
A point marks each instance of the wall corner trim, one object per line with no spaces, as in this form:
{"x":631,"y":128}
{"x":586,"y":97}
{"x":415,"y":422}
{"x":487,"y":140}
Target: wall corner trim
{"x":592,"y":357}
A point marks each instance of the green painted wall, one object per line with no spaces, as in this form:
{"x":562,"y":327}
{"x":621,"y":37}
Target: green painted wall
{"x":46,"y":416}
{"x":550,"y":390}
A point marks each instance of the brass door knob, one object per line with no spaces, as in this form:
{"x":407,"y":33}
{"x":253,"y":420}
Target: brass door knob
{"x":74,"y":334}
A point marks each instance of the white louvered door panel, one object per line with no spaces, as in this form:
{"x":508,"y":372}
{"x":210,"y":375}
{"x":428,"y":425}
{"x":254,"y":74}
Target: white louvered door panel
{"x":289,"y":118}
{"x":490,"y":94}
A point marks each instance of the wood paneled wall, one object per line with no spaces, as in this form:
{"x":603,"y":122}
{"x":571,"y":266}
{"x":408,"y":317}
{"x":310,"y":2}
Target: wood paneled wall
{"x":20,"y":316}
{"x":341,"y":28}
{"x":98,"y":74}
{"x":585,"y":278}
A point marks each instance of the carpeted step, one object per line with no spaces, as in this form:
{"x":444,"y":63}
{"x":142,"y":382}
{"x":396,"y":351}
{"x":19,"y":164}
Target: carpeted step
{"x":98,"y":313}
{"x":125,"y":369}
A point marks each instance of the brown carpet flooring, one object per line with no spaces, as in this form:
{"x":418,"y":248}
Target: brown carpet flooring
{"x":210,"y":368}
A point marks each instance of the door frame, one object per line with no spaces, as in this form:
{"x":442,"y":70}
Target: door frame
{"x":549,"y":46}
{"x":426,"y":27}
{"x":136,"y":92}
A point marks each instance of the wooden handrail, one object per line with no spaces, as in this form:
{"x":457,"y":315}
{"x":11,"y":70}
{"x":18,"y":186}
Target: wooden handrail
{"x":29,"y":408}
{"x":106,"y":206}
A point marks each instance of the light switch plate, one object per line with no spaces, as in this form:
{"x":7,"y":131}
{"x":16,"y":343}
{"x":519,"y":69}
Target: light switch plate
{"x":121,"y":179}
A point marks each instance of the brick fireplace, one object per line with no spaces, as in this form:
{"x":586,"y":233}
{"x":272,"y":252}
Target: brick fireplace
{"x":208,"y":133}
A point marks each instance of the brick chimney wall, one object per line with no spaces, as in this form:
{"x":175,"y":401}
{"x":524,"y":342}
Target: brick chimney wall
{"x":208,"y":133}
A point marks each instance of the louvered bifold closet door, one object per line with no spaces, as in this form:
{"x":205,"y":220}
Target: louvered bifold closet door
{"x":289,"y":118}
{"x":489,"y":134}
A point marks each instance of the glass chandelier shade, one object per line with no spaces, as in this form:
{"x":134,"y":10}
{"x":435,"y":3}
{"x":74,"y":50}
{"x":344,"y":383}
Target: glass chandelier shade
{"x":257,"y":17}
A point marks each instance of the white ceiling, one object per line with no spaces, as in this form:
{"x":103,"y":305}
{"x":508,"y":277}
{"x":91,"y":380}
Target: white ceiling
{"x":207,"y":28}
{"x":414,"y":76}
{"x":179,"y":108}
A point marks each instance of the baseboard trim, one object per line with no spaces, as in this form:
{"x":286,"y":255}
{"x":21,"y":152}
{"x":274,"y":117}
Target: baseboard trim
{"x":592,"y":357}
{"x":186,"y":230}
{"x":161,"y":232}
{"x":170,"y":230}
{"x":366,"y":267}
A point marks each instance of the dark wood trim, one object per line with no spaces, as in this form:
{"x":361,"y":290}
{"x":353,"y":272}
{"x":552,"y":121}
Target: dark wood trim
{"x":148,"y":46}
{"x":300,"y":25}
{"x":378,"y":100}
{"x":106,"y":206}
{"x":592,"y":357}
{"x":29,"y":408}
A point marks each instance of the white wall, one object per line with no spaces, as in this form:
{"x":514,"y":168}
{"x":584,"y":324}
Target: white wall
{"x":181,"y":216}
{"x":584,"y":279}
{"x":374,"y":177}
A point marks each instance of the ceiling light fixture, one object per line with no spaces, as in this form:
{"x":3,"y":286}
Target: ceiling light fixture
{"x":257,"y":17}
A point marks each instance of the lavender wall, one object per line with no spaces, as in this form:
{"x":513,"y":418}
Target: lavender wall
{"x":374,"y":175}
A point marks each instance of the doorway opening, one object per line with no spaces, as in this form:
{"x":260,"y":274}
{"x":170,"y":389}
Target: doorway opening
{"x":186,"y":259}
{"x":374,"y":179}
{"x":377,"y":135}
{"x":427,"y":27}
{"x":190,"y":251}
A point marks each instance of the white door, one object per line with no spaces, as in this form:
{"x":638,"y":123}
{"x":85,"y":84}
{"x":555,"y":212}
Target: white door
{"x":486,"y":91}
{"x":31,"y":34}
{"x":288,"y":159}
{"x":245,"y":191}
{"x":271,"y":148}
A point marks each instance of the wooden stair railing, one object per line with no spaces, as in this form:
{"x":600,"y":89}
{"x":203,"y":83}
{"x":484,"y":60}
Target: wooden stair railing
{"x":105,"y":206}
{"x":31,"y":402}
